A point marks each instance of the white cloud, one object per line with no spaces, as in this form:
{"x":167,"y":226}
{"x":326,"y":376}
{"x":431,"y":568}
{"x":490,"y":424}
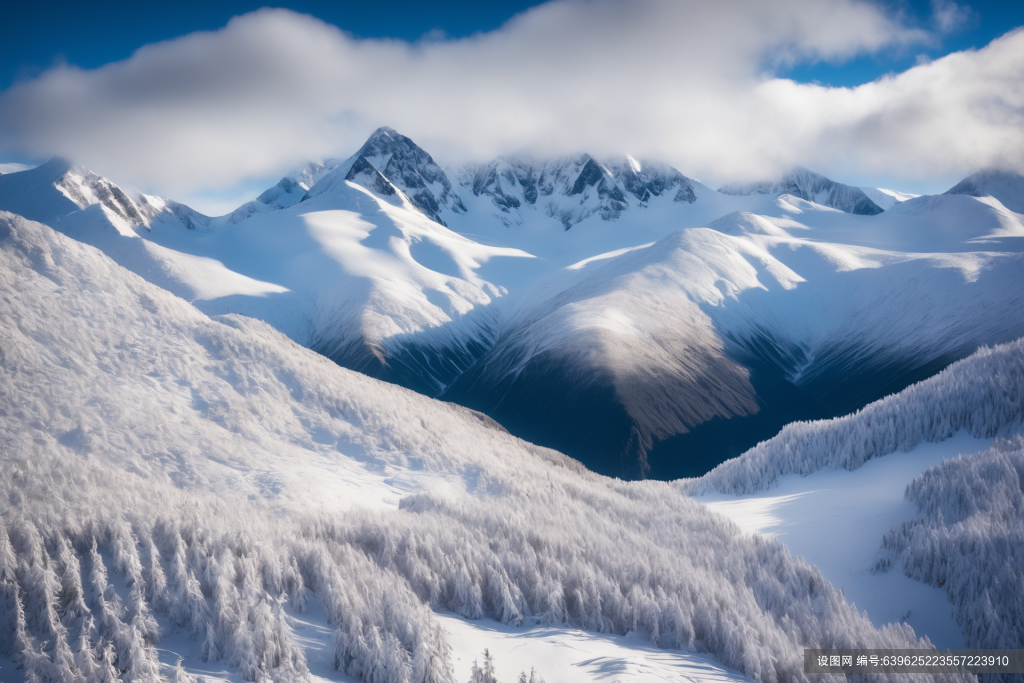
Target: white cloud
{"x":686,"y":81}
{"x":948,"y":16}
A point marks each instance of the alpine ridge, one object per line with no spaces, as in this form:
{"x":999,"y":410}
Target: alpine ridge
{"x":814,"y":187}
{"x":613,"y":309}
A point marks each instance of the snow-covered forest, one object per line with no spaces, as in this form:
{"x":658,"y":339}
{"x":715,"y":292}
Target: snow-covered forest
{"x":982,"y":394}
{"x":969,"y":540}
{"x":163,"y":467}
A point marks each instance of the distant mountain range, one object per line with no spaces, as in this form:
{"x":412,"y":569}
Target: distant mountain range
{"x":614,"y":309}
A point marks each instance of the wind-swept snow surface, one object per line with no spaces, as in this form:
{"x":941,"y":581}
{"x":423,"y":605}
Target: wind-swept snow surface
{"x":167,"y":473}
{"x":565,"y":654}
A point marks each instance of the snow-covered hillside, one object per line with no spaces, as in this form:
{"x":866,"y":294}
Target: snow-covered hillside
{"x":169,"y":476}
{"x":58,"y":188}
{"x":834,"y":491}
{"x":1005,"y":186}
{"x":712,"y":339}
{"x":983,"y":394}
{"x":968,"y":541}
{"x":345,"y":272}
{"x":289,"y":190}
{"x":836,"y":519}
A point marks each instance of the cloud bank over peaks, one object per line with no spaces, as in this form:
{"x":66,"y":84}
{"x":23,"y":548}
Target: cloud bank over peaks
{"x":686,"y":82}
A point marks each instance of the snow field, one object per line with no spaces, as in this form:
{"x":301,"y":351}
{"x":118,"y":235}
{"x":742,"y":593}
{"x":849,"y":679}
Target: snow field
{"x":836,"y":519}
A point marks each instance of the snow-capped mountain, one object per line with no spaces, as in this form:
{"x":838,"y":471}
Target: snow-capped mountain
{"x":573,"y":188}
{"x":1005,"y":186}
{"x":813,"y":187}
{"x":620,"y":340}
{"x":403,"y":164}
{"x":183,"y":494}
{"x":58,"y":188}
{"x":347,"y":271}
{"x":288,"y":191}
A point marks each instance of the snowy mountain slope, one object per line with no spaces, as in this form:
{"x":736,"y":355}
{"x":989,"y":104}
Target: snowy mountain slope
{"x":982,"y":394}
{"x":712,"y":339}
{"x":953,"y":524}
{"x":58,"y":188}
{"x":404,"y":165}
{"x":289,"y":190}
{"x":812,"y":187}
{"x":343,"y":272}
{"x":168,"y":475}
{"x":371,"y":283}
{"x":967,"y":541}
{"x":948,"y":222}
{"x":95,"y":211}
{"x":1006,"y":186}
{"x":359,"y":272}
{"x":886,"y":199}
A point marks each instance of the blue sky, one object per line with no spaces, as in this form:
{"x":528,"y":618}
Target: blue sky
{"x":988,"y":19}
{"x":33,"y":36}
{"x":213,"y":119}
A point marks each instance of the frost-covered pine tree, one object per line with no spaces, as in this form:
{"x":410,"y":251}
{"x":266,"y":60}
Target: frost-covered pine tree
{"x":532,"y":678}
{"x":180,"y":675}
{"x":489,"y":675}
{"x":486,"y":674}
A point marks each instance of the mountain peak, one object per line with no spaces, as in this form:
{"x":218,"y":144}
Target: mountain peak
{"x":810,"y":186}
{"x":1004,"y":185}
{"x":409,"y":168}
{"x":56,"y":166}
{"x":58,"y":187}
{"x":385,"y":133}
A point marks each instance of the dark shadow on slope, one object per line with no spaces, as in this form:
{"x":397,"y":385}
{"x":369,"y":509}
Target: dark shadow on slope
{"x":841,"y":383}
{"x":566,"y":399}
{"x":779,"y":402}
{"x":554,"y":403}
{"x":425,"y":368}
